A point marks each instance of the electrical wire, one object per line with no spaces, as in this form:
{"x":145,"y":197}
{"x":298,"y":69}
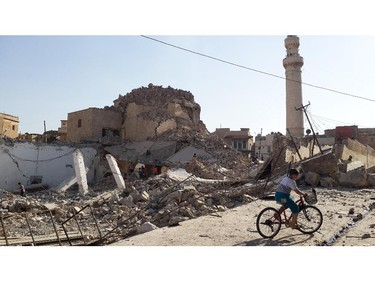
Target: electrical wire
{"x":258,"y":71}
{"x":35,"y":161}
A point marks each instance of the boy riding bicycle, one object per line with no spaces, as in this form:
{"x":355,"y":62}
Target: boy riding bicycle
{"x":282,"y":196}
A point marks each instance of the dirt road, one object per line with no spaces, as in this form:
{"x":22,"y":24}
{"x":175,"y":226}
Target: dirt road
{"x":236,"y":227}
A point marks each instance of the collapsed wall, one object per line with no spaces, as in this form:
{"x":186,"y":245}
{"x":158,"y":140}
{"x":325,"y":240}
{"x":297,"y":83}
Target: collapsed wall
{"x":153,"y":110}
{"x":21,"y":162}
{"x":356,"y":151}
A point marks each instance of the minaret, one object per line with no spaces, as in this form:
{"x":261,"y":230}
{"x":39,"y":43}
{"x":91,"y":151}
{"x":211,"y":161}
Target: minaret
{"x":292,"y":64}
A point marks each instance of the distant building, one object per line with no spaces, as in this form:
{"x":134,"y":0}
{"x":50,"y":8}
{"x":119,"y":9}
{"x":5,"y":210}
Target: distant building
{"x":63,"y":130}
{"x":92,"y":124}
{"x":263,"y":146}
{"x":239,"y":140}
{"x":9,"y":125}
{"x":365,"y":136}
{"x":31,"y":137}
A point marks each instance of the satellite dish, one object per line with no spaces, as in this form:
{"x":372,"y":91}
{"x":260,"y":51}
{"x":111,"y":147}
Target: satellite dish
{"x":308,"y":131}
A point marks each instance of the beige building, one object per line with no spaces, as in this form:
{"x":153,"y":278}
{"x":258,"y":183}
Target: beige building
{"x":263,"y":146}
{"x":9,"y":125}
{"x":92,"y":124}
{"x":239,"y":140}
{"x":63,"y":130}
{"x":142,"y":114}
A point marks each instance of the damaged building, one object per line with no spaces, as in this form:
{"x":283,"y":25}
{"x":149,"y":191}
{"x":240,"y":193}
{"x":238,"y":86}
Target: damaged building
{"x":140,"y":115}
{"x":150,"y":111}
{"x":92,"y":124}
{"x":365,"y":136}
{"x":9,"y":125}
{"x":147,"y":162}
{"x":241,"y":140}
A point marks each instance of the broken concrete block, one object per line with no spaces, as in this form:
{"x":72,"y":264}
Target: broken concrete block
{"x":324,"y":165}
{"x":355,"y":178}
{"x":51,"y":206}
{"x":105,"y":209}
{"x":146,"y":227}
{"x":175,"y":195}
{"x":198,"y":203}
{"x":327,"y":182}
{"x":114,"y":198}
{"x":312,"y":178}
{"x":176,"y":220}
{"x":128,"y":201}
{"x":135,"y":195}
{"x":190,"y":188}
{"x":144,"y":196}
{"x":354,"y":165}
{"x":221,"y":208}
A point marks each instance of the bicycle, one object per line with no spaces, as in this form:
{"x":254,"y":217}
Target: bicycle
{"x":310,"y":218}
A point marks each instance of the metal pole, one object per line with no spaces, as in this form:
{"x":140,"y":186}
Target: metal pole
{"x":54,"y":226}
{"x":66,"y":234}
{"x":79,"y":228}
{"x":4,"y":231}
{"x":31,"y":233}
{"x":96,"y":223}
{"x":303,"y":107}
{"x":294,"y":144}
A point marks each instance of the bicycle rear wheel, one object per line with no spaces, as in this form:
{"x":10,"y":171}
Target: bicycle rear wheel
{"x":310,"y":219}
{"x":268,"y":222}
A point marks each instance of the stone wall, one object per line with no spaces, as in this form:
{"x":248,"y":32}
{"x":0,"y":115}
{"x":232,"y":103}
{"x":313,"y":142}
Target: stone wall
{"x":153,"y":110}
{"x":358,"y":151}
{"x":93,"y":121}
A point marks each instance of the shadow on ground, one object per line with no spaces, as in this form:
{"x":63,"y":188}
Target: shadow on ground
{"x":288,"y":240}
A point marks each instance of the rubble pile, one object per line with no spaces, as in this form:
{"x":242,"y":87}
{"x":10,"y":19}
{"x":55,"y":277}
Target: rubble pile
{"x":163,"y":200}
{"x":162,"y":105}
{"x":329,"y":169}
{"x":159,"y":96}
{"x":225,"y":165}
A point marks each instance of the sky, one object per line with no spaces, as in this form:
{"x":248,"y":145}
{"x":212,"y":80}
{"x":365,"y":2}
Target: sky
{"x":45,"y":72}
{"x":45,"y":77}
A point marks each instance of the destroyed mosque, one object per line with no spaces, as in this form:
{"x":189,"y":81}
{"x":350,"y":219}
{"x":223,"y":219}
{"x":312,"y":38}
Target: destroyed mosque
{"x":148,"y":161}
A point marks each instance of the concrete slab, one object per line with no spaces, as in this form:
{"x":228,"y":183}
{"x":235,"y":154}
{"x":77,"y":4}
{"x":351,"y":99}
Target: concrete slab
{"x":62,"y":187}
{"x":79,"y":166}
{"x":186,"y":154}
{"x":324,"y":165}
{"x":115,"y":171}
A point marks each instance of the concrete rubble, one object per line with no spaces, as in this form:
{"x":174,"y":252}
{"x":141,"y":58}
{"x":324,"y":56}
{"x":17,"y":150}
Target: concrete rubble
{"x":197,"y":174}
{"x":205,"y":184}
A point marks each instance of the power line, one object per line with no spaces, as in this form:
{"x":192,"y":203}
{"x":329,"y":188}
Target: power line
{"x":256,"y":70}
{"x":335,"y":122}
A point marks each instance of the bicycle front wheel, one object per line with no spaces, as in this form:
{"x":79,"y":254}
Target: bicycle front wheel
{"x":268,"y":222}
{"x":310,"y":219}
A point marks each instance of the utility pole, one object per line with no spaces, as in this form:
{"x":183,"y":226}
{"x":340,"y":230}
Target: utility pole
{"x":303,"y":107}
{"x":260,"y":142}
{"x":294,"y":144}
{"x":45,"y":135}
